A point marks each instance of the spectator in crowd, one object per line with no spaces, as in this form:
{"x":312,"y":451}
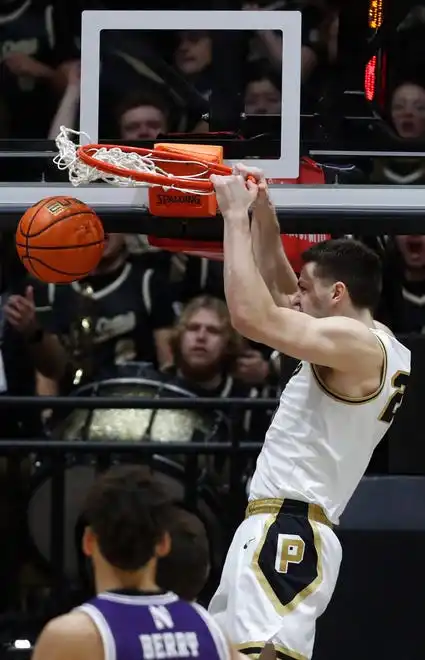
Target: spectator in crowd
{"x":408,"y":110}
{"x":186,"y":568}
{"x":205,"y":347}
{"x":27,"y":350}
{"x":255,"y":364}
{"x":205,"y":351}
{"x":262,"y":92}
{"x":192,"y":57}
{"x":406,"y":119}
{"x":142,"y":116}
{"x":403,"y":296}
{"x":122,"y":311}
{"x":36,"y":48}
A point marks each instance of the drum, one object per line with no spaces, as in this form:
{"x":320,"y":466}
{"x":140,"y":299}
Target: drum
{"x":126,"y":425}
{"x":140,"y":424}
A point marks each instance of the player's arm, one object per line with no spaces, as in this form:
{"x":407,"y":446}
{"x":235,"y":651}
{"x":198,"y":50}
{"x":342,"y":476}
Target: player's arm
{"x":69,"y":637}
{"x":337,"y":342}
{"x":269,"y":253}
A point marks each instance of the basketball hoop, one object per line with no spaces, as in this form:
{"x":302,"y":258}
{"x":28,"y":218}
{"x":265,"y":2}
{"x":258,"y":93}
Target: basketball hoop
{"x":184,"y":168}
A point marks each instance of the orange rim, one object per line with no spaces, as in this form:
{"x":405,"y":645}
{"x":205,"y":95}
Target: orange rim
{"x":83,"y":154}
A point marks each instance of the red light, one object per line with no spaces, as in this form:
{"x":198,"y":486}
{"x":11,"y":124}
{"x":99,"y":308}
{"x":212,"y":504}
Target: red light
{"x":370,"y":79}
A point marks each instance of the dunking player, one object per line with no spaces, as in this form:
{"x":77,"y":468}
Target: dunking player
{"x":128,"y":513}
{"x":283,"y":563}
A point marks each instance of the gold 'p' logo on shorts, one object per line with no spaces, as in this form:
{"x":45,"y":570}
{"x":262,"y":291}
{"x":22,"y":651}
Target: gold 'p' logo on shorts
{"x":290,"y":550}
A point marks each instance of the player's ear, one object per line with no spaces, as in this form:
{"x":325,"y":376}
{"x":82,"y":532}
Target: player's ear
{"x":88,"y":542}
{"x":163,"y":547}
{"x":339,"y":290}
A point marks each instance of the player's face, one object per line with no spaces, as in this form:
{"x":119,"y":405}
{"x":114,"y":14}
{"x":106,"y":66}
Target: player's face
{"x":314,"y":296}
{"x":145,"y":122}
{"x":412,"y":249}
{"x":203,"y":339}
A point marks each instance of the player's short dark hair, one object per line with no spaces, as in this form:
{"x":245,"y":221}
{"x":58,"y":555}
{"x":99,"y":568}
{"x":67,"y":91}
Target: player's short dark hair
{"x":129,"y":511}
{"x":185,"y":569}
{"x":351,"y":262}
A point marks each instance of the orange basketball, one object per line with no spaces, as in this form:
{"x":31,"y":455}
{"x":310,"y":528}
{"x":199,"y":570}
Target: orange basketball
{"x":60,"y":239}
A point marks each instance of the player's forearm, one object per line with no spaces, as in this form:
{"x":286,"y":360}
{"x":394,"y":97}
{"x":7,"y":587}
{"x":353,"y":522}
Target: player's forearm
{"x":270,"y":256}
{"x":247,"y":295}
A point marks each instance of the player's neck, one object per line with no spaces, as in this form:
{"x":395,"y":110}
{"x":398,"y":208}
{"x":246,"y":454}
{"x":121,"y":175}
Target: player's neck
{"x":109,"y":579}
{"x":361,"y":315}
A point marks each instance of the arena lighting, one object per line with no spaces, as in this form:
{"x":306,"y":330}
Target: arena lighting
{"x":22,"y":644}
{"x":376,"y":13}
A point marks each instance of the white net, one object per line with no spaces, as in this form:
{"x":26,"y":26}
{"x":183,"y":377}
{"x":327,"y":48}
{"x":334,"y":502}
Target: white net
{"x":80,"y":173}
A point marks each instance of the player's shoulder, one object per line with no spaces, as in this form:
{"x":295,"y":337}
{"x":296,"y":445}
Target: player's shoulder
{"x":69,"y":636}
{"x":397,"y":356}
{"x":340,"y":328}
{"x":384,"y":328}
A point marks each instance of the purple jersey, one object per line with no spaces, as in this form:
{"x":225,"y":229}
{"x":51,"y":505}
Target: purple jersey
{"x":138,"y":626}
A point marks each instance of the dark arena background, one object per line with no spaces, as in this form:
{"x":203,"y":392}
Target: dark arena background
{"x":335,"y":114}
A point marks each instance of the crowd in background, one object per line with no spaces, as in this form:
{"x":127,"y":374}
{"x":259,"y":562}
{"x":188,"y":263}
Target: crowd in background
{"x":144,"y":306}
{"x":147,"y":316}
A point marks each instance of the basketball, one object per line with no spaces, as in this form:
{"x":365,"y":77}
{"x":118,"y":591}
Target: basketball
{"x":60,"y":240}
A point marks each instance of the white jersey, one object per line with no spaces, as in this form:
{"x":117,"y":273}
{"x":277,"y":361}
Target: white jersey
{"x":319,"y":444}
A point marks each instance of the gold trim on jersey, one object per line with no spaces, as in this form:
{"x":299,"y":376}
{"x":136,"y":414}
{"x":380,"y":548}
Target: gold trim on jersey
{"x":257,"y":648}
{"x":352,"y":399}
{"x":271,"y":506}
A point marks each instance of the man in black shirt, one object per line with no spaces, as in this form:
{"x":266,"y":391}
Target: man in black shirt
{"x":122,"y":312}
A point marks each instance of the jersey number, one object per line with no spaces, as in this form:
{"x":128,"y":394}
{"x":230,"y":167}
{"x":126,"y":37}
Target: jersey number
{"x":399,"y":382}
{"x":290,"y":550}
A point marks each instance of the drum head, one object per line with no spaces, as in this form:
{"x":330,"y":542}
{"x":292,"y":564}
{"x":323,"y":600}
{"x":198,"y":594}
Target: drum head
{"x":141,"y":424}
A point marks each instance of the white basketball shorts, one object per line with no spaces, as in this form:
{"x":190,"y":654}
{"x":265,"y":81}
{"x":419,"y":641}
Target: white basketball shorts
{"x":278,"y":578}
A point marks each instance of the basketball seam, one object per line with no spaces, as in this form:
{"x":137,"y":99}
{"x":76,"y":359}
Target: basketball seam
{"x":55,"y":270}
{"x":55,"y":222}
{"x":60,"y":247}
